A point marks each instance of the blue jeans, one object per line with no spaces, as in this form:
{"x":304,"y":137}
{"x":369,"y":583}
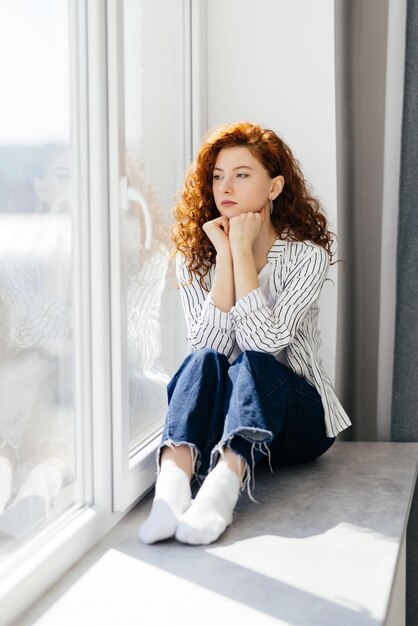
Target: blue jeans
{"x":254,"y":406}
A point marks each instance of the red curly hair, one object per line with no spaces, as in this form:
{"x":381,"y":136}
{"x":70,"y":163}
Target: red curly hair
{"x":296,"y":215}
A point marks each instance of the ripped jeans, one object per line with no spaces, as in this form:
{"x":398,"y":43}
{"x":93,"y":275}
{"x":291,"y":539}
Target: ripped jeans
{"x":255,"y":406}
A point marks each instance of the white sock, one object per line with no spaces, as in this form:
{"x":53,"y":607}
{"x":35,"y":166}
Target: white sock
{"x":43,"y":480}
{"x":212,"y":509}
{"x":6,"y":475}
{"x":172,"y":498}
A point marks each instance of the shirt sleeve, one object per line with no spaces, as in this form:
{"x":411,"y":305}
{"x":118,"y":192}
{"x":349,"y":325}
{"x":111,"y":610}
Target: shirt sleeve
{"x":46,"y":324}
{"x":207,"y":326}
{"x":265,"y":329}
{"x":37,"y":318}
{"x":146,"y":282}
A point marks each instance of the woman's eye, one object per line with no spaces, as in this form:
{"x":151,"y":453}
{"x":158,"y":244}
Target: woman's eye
{"x":217,"y":177}
{"x":242,"y":175}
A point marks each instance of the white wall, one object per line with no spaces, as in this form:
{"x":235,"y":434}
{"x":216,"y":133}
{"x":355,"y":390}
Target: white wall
{"x":272,"y":62}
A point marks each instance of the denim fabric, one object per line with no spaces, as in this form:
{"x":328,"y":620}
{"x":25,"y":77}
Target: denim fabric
{"x":255,"y":406}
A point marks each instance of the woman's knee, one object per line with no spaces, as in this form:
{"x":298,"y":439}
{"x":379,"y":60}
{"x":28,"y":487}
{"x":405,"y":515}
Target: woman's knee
{"x":198,"y":357}
{"x":200,"y":365}
{"x":202,"y":354}
{"x":205,"y":358}
{"x":259,"y":358}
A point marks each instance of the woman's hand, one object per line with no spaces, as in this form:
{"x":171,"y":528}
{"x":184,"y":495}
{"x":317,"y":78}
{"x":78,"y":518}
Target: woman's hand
{"x":223,"y":282}
{"x":244,"y":229}
{"x":218,"y":232}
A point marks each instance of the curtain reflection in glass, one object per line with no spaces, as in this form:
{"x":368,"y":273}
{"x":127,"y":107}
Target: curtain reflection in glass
{"x":36,"y":429}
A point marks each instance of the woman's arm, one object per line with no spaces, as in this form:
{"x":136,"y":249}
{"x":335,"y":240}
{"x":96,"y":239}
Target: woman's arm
{"x":37,"y":317}
{"x":146,"y":283}
{"x":265,"y":329}
{"x":208,"y":326}
{"x":243,"y":231}
{"x":223,"y":292}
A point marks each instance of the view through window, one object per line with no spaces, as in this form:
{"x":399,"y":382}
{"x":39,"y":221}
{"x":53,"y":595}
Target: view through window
{"x":37,"y":183}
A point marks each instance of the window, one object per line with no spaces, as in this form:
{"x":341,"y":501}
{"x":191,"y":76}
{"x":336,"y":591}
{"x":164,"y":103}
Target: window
{"x":40,"y":290}
{"x":147,"y":85}
{"x":95,"y":135}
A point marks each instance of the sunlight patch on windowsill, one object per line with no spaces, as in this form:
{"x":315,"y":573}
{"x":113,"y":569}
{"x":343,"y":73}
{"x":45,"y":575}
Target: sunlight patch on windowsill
{"x":347,"y":565}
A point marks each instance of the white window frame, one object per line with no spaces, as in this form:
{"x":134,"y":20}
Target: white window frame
{"x":133,"y":474}
{"x":199,"y":75}
{"x":111,"y":482}
{"x":39,"y":563}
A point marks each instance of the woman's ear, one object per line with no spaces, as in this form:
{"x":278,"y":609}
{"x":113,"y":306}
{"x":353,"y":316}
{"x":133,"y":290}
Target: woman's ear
{"x":277,"y":187}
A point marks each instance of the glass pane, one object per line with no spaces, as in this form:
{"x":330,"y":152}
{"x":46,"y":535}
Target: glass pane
{"x":37,"y":458}
{"x":154,"y":143}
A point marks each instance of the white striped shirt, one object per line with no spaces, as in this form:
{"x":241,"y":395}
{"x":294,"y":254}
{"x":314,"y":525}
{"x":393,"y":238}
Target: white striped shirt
{"x":299,"y":271}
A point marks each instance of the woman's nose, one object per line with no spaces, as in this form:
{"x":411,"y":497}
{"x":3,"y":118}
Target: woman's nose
{"x":226,"y":185}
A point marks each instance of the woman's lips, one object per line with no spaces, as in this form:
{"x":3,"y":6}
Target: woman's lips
{"x":227,"y":203}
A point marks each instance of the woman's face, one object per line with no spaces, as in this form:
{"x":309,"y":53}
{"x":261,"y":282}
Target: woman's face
{"x":55,"y":186}
{"x":240,"y":183}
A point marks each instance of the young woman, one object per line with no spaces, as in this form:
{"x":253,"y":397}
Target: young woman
{"x":253,"y":253}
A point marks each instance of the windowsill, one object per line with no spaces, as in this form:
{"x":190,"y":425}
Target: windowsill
{"x":73,"y":531}
{"x":320,"y":543}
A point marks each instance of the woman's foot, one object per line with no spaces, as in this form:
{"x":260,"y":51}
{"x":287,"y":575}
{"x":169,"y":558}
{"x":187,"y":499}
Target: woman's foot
{"x":36,"y":496}
{"x":44,"y":480}
{"x":212,"y":509}
{"x":172,"y":498}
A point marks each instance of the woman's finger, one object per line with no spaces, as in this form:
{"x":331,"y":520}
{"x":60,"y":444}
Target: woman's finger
{"x":218,"y":222}
{"x":225,"y":225}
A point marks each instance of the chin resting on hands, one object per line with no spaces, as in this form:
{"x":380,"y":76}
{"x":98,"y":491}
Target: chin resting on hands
{"x":244,"y":229}
{"x":218,"y":232}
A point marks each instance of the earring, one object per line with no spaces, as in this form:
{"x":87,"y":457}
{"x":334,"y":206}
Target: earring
{"x":271,"y":206}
